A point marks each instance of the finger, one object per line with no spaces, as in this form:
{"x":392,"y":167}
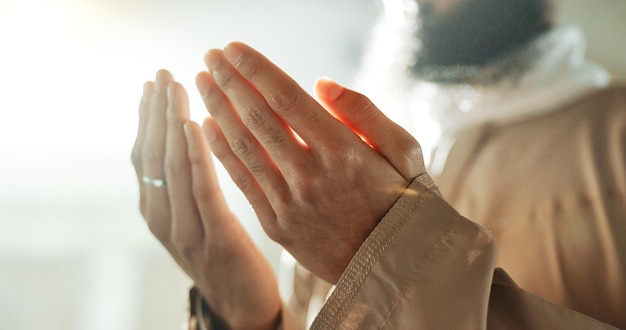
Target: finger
{"x":205,"y":187}
{"x":296,"y":107}
{"x":238,"y":172}
{"x":144,"y":108}
{"x":269,"y":129}
{"x":361,"y":115}
{"x":240,"y":140}
{"x":186,"y":224}
{"x":153,"y":154}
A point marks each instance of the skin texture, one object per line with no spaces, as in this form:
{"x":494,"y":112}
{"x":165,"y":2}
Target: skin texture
{"x":318,"y":193}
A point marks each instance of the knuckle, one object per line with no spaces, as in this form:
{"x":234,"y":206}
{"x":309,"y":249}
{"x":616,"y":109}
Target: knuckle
{"x":242,"y":147}
{"x":408,"y":146}
{"x":151,"y":156}
{"x":274,"y":137}
{"x":226,"y":79}
{"x":200,"y":193}
{"x":135,"y":157}
{"x":158,"y":102}
{"x":343,"y":157}
{"x":409,"y":160}
{"x":254,"y":117}
{"x":221,"y":152}
{"x":194,"y":159}
{"x":413,"y":147}
{"x":157,"y":94}
{"x":173,"y":167}
{"x":243,"y":182}
{"x":285,"y":101}
{"x":247,"y":66}
{"x":367,"y":112}
{"x":213,"y":105}
{"x":256,"y":169}
{"x":304,"y":188}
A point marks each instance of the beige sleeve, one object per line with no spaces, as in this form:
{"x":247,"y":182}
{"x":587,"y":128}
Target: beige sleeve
{"x":425,"y":266}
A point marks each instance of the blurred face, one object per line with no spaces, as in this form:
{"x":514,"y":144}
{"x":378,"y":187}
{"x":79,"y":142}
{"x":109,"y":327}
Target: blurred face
{"x":475,"y":32}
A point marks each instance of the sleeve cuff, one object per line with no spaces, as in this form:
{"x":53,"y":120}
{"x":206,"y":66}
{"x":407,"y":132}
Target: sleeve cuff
{"x":397,"y":275}
{"x":202,"y":318}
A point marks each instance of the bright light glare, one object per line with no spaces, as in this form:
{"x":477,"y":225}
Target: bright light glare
{"x":31,"y":25}
{"x":74,"y":77}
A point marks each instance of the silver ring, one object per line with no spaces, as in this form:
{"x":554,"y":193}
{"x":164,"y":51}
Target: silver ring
{"x":158,"y":183}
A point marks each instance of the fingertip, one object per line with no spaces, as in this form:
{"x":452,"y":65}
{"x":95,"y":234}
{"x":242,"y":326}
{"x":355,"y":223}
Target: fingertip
{"x":210,"y":129}
{"x":176,"y":88}
{"x":200,"y":77}
{"x":188,"y":133}
{"x":203,"y":81}
{"x":212,"y":57}
{"x":207,"y":121}
{"x":236,"y":43}
{"x":163,"y":75}
{"x":205,"y":55}
{"x":328,"y":89}
{"x":194,"y":135}
{"x":147,"y":87}
{"x":233,"y":52}
{"x":171,"y":92}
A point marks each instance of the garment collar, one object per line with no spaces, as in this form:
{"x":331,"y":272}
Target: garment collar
{"x":559,"y":74}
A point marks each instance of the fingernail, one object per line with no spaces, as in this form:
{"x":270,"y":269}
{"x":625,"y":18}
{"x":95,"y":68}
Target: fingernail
{"x":146,"y":88}
{"x":171,"y":96}
{"x":233,"y":53}
{"x":213,"y":62}
{"x":170,"y":91}
{"x":188,"y":135}
{"x":209,"y":132}
{"x":158,"y":80}
{"x":333,"y":90}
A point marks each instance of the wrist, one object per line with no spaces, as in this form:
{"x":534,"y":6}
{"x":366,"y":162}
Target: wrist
{"x":203,"y":317}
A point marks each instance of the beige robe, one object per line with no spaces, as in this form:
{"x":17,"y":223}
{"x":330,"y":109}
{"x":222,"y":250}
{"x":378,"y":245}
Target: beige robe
{"x":545,"y":247}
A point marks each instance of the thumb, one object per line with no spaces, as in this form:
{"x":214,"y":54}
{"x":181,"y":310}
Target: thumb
{"x":359,"y":114}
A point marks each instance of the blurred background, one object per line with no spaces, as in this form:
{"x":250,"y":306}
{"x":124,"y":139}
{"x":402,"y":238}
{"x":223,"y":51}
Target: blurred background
{"x":74,"y":250}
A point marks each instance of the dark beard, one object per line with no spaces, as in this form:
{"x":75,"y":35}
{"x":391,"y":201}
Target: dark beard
{"x":471,"y":42}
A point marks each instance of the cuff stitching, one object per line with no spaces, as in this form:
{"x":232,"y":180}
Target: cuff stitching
{"x":358,"y":269}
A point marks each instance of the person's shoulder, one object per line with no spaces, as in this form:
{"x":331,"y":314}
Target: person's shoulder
{"x":605,"y":106}
{"x":617,"y":89}
{"x":611,"y":97}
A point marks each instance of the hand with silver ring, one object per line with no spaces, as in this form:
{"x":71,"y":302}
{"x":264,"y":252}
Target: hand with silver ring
{"x":184,"y":208}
